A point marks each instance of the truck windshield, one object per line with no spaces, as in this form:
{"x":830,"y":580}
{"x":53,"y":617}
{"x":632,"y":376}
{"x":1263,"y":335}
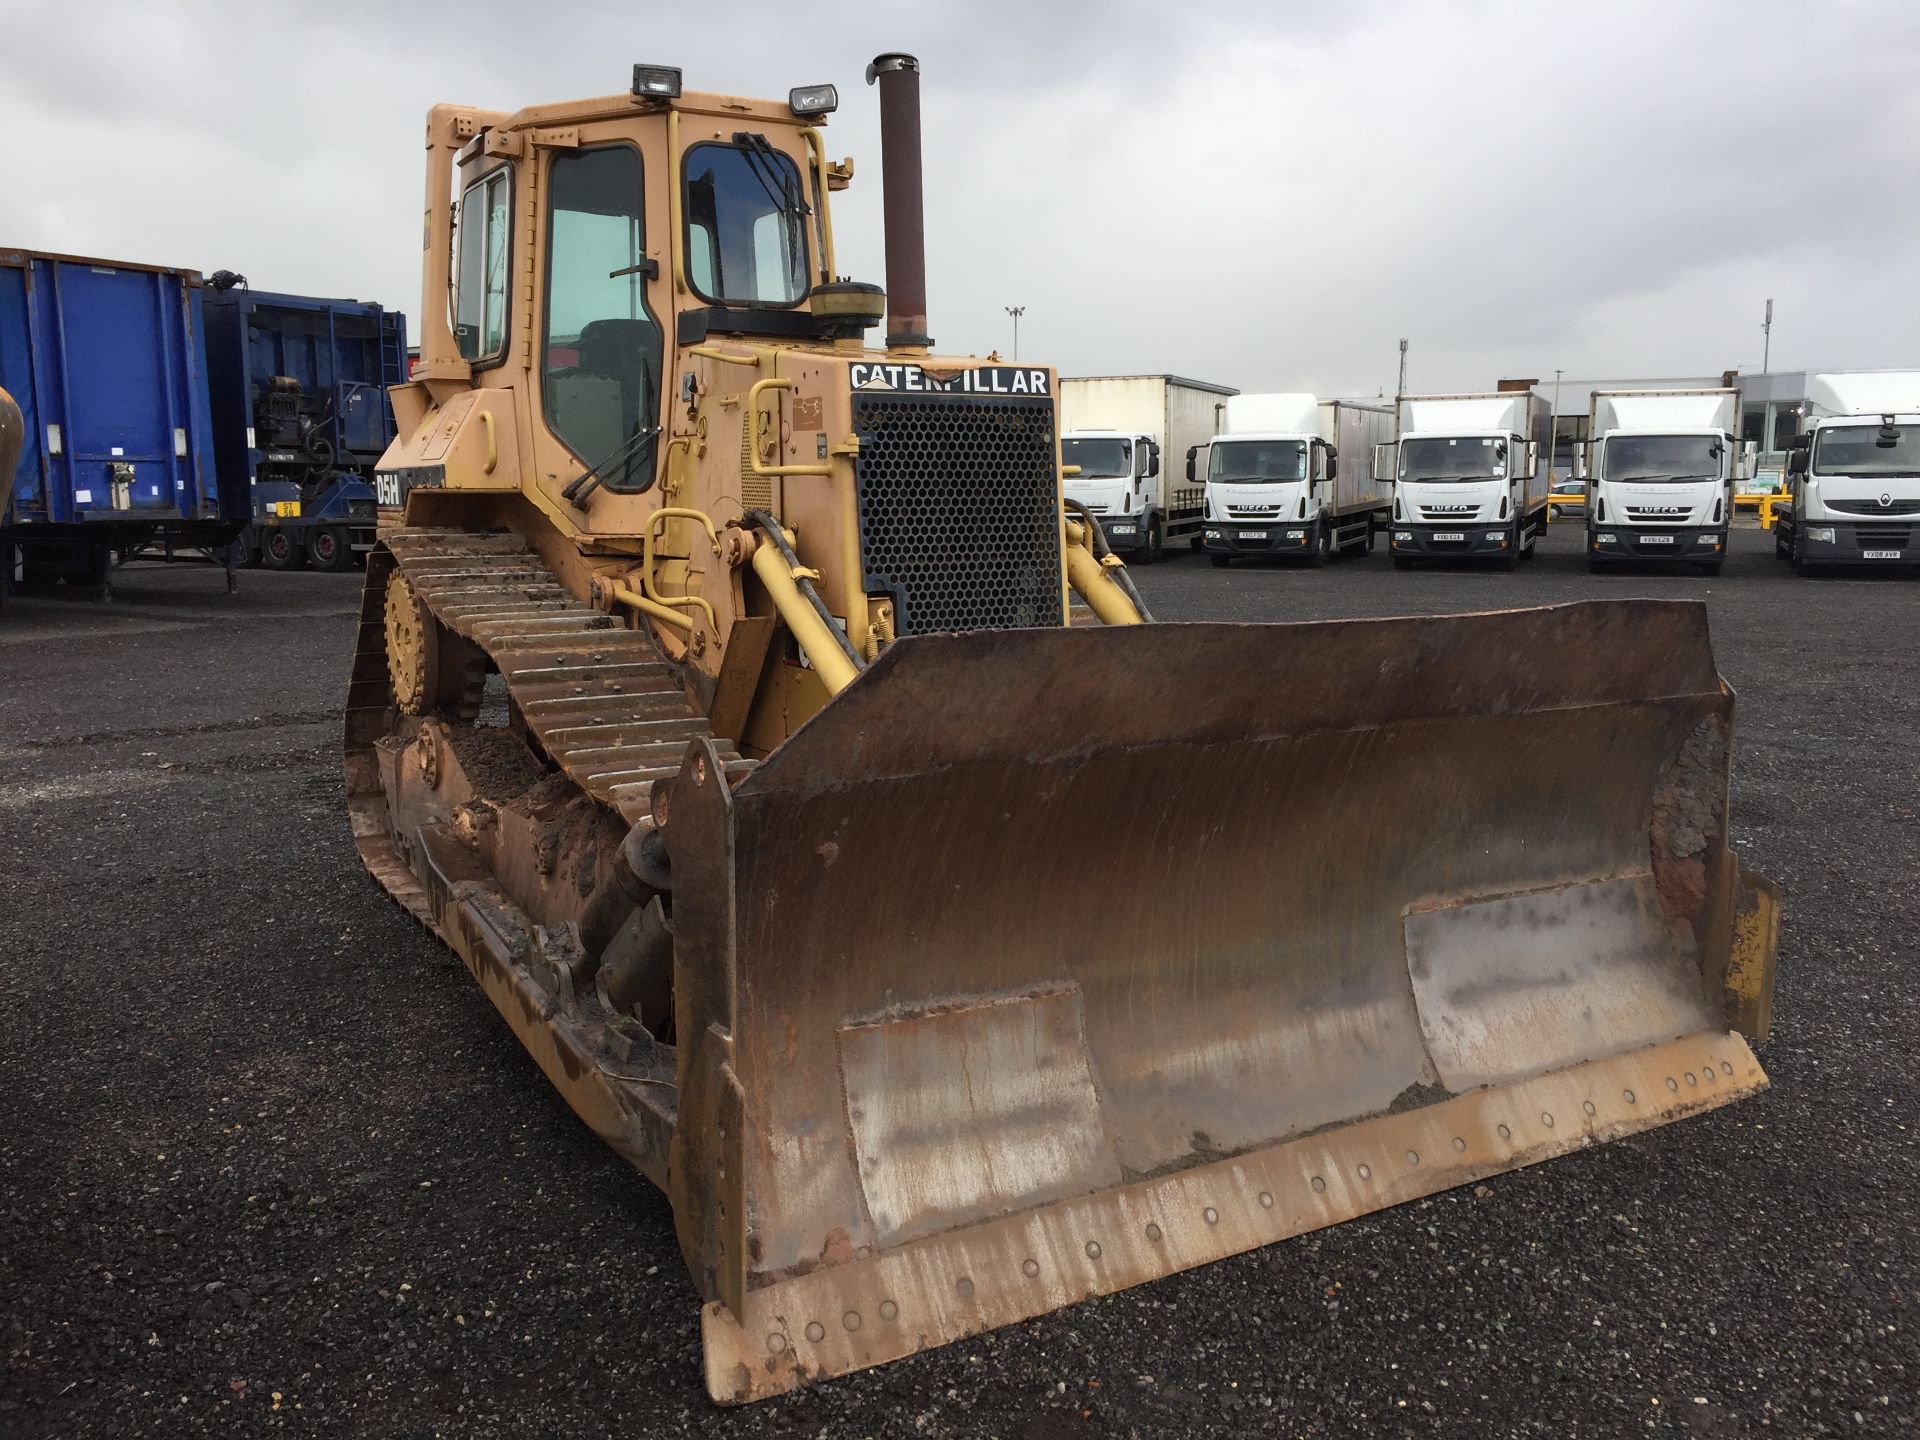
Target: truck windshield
{"x":1867,"y":450}
{"x":746,"y":223}
{"x":1101,"y":459}
{"x":1457,"y":457}
{"x":1258,"y":462}
{"x":1662,"y":458}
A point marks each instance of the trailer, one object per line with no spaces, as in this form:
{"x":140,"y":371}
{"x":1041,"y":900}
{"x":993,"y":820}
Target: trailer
{"x":1117,"y":429}
{"x":299,"y":399}
{"x":1469,"y":476}
{"x":107,"y":363}
{"x":1276,"y":483}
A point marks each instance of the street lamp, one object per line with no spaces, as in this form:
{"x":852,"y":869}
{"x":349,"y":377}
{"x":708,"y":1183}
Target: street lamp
{"x":1016,"y":311}
{"x":1553,"y":434}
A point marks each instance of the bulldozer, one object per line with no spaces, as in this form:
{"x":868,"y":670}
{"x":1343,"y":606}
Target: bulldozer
{"x":813,"y":795}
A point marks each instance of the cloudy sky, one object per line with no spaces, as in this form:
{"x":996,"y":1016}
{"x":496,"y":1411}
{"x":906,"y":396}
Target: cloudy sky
{"x":1264,"y":195}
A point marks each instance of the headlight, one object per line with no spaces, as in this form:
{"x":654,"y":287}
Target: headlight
{"x":1708,"y":540}
{"x":1213,"y":534}
{"x":1823,"y":534}
{"x":1296,"y":534}
{"x":1604,"y":539}
{"x":806,"y":100}
{"x":1403,"y":535}
{"x":1121,"y":529}
{"x":1496,"y":534}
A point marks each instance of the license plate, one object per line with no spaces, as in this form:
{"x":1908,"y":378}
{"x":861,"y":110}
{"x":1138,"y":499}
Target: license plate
{"x":1656,"y":539}
{"x":1253,"y":534}
{"x":1880,"y":554}
{"x":1451,"y":535}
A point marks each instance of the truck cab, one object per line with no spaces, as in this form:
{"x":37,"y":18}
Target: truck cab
{"x":1661,"y":471}
{"x":1116,"y":468}
{"x":1854,"y":475}
{"x":1469,"y":478}
{"x":1263,"y":494}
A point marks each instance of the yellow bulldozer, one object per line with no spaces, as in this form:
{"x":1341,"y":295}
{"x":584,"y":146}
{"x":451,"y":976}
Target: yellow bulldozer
{"x":718,"y":699}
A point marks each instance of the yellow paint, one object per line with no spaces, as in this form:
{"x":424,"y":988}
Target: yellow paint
{"x":818,"y":642}
{"x":1756,"y":932}
{"x":1088,"y":576}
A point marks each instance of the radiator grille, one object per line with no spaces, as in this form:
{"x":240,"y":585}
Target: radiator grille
{"x":959,"y":517}
{"x":1871,"y":507}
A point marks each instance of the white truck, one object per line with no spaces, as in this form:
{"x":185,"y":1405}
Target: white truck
{"x":1660,"y":467}
{"x":1276,"y":484}
{"x":1469,"y":477}
{"x":1854,"y":474}
{"x":1116,"y":428}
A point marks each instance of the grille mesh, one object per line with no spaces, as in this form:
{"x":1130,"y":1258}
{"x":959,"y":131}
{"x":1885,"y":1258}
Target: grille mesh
{"x":959,"y":517}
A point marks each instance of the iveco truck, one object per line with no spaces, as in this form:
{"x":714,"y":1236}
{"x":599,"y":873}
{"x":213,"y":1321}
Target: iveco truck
{"x":1661,"y":467}
{"x":1854,"y":475}
{"x":1276,"y":483}
{"x":1469,"y":477}
{"x":1116,"y":430}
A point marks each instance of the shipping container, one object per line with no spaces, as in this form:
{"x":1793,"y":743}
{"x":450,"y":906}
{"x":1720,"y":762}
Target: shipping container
{"x":300,"y":410}
{"x":107,"y":361}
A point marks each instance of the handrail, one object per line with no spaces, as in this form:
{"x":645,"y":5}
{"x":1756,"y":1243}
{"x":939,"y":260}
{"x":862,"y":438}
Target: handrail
{"x":753,"y":433}
{"x":654,"y":522}
{"x":815,"y":144}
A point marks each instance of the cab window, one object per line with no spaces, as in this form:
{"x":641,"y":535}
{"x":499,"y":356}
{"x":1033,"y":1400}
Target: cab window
{"x":601,"y":351}
{"x":746,"y":224}
{"x":480,"y":305}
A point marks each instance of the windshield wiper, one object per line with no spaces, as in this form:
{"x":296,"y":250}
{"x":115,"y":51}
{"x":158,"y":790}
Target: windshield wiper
{"x":764,"y":161}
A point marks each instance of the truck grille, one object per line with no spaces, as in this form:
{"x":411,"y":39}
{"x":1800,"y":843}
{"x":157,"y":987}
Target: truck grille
{"x":1449,"y":514}
{"x":959,"y":510}
{"x":1893,"y":538}
{"x":1872,"y":507}
{"x":1252,"y":512}
{"x":1641,"y":516}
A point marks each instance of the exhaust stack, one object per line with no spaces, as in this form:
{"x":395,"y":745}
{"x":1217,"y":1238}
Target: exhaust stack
{"x":899,"y":79}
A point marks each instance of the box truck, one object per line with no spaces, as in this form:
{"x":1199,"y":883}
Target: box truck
{"x":1854,"y":474}
{"x":1117,"y":429}
{"x":1469,"y":475}
{"x":1276,"y":484}
{"x":1660,"y":468}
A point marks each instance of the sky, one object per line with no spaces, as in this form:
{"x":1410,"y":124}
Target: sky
{"x":1264,"y":195}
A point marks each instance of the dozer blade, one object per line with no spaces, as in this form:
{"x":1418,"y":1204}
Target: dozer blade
{"x":1043,"y":963}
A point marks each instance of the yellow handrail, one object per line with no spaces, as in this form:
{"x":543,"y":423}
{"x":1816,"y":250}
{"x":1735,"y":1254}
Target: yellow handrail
{"x":820,"y":196}
{"x":753,"y":433}
{"x":654,"y":522}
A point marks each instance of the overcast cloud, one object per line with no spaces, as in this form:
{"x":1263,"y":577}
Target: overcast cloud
{"x":1264,"y":195}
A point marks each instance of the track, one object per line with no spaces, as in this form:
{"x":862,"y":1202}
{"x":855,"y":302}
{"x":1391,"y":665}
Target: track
{"x":591,"y":696}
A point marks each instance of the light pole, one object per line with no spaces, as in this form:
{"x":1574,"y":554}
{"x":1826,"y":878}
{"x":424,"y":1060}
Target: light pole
{"x":1400,"y":385}
{"x":1553,"y":434}
{"x":1016,"y":311}
{"x":1766,"y":344}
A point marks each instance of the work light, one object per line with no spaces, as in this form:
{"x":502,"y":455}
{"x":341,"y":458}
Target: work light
{"x":813,"y":99}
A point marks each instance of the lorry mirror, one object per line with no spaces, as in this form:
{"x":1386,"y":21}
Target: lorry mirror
{"x":1333,"y":464}
{"x":1802,"y":441}
{"x":1749,"y":459}
{"x":1153,"y":459}
{"x":1192,"y":450}
{"x":1383,"y":461}
{"x":1579,"y":462}
{"x":1797,"y":463}
{"x":1533,"y":456}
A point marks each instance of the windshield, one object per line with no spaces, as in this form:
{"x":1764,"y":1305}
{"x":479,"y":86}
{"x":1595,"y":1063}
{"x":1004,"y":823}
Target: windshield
{"x":1867,"y":450}
{"x":1098,"y":459}
{"x":746,"y":223}
{"x":1669,"y":458}
{"x":1255,"y":462}
{"x":1460,"y":457}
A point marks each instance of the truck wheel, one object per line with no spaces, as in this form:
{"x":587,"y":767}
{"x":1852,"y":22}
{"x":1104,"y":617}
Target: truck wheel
{"x":1797,"y":556}
{"x":329,"y":549}
{"x":1221,"y":562}
{"x":1511,"y":560}
{"x":1373,"y":533}
{"x":1322,"y":546}
{"x":281,"y":551}
{"x":1153,"y":545}
{"x":1782,"y":548}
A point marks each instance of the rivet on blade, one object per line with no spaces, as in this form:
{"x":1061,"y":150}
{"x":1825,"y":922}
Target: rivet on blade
{"x":1266,"y":1200}
{"x":1413,"y":1157}
{"x":816,"y":1332}
{"x":1213,"y":1215}
{"x":888,"y":1309}
{"x":1458,"y":1143}
{"x":1030,"y":1268}
{"x":1587,"y":1105}
{"x":1726,"y":1067}
{"x":964,"y":1286}
{"x":1672,"y":1084}
{"x":1319,"y":1185}
{"x":1093,"y":1249}
{"x":1366,"y":1172}
{"x":1692,"y":1079}
{"x":1153,"y":1232}
{"x":850,"y":1321}
{"x":1628,"y":1096}
{"x":1505,"y":1133}
{"x":776,"y":1342}
{"x":1546,"y":1119}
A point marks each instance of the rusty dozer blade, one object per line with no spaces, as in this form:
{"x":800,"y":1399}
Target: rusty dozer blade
{"x":1043,"y":963}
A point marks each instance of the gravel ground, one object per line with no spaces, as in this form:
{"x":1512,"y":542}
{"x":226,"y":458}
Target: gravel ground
{"x":271,"y":1161}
